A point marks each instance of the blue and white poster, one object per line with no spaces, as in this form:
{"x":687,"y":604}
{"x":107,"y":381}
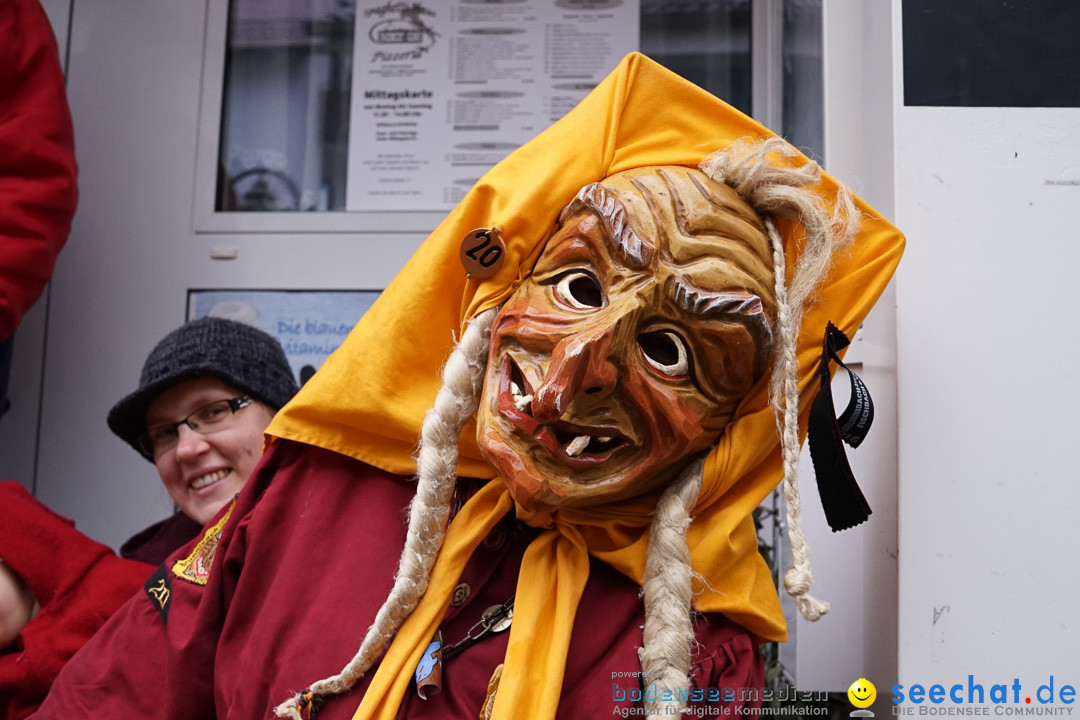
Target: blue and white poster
{"x":309,"y":324}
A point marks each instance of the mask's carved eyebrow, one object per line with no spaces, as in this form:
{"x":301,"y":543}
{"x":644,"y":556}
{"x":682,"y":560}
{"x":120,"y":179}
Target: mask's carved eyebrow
{"x":743,"y":307}
{"x":633,"y":249}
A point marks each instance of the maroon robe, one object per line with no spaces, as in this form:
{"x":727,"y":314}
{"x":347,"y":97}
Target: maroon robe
{"x":304,"y":562}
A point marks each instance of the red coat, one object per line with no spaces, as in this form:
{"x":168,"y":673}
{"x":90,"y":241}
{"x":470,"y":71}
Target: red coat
{"x":78,"y":582}
{"x":37,"y":159}
{"x":305,"y":559}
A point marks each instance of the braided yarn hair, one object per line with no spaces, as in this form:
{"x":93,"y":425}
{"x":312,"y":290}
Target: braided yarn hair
{"x":775,"y":191}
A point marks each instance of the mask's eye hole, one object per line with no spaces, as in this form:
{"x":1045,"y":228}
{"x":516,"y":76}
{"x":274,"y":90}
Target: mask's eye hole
{"x":666,"y":353}
{"x":579,"y":290}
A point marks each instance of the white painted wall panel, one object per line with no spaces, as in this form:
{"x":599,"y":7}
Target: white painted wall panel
{"x":856,"y":570}
{"x":990,"y":200}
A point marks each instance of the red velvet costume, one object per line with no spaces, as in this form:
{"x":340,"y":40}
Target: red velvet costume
{"x":304,"y":561}
{"x":37,"y":159}
{"x":79,"y":583}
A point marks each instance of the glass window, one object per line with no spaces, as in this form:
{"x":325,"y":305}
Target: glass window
{"x":803,"y":89}
{"x":472,"y":76}
{"x":285,"y":116}
{"x":706,"y":43}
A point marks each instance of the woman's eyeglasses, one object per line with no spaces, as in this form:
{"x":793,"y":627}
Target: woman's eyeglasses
{"x":215,"y":417}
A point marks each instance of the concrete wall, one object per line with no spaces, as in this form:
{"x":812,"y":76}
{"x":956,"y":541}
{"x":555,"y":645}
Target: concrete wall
{"x":987,"y":338}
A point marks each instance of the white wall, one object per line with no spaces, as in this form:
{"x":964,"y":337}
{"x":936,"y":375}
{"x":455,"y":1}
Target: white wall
{"x":121,"y":282}
{"x":987,"y":337}
{"x":856,"y":570}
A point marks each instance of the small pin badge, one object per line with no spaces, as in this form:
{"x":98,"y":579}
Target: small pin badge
{"x":428,"y":673}
{"x":483,"y":252}
{"x":498,"y":617}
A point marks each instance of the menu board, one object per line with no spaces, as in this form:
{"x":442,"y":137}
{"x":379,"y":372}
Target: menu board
{"x":444,"y":90}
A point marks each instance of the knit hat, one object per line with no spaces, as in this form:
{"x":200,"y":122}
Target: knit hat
{"x":239,"y":354}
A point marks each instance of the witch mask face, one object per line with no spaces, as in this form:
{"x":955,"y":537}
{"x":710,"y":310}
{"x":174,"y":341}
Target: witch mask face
{"x":643,"y":325}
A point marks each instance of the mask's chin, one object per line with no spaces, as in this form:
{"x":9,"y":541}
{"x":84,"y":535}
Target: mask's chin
{"x":526,"y":486}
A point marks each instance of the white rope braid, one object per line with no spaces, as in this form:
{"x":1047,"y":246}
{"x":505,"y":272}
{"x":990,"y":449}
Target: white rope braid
{"x":775,"y":190}
{"x":786,"y":403}
{"x":436,"y":472}
{"x":667,"y":591}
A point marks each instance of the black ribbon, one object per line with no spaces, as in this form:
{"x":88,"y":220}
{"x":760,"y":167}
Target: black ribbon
{"x":843,"y":501}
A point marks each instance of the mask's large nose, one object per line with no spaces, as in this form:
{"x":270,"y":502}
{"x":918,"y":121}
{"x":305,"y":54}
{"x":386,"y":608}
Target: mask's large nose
{"x":580,"y":363}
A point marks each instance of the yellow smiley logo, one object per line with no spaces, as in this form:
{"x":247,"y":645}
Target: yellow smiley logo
{"x":862,"y":693}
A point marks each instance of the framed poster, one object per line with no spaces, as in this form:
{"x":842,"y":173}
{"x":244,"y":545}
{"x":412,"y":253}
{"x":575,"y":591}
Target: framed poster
{"x":309,"y":324}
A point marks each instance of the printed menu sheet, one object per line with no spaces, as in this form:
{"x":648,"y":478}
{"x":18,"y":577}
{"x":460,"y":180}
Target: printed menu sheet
{"x":444,"y":90}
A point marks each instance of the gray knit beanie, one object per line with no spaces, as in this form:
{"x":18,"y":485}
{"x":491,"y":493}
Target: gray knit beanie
{"x":239,"y":354}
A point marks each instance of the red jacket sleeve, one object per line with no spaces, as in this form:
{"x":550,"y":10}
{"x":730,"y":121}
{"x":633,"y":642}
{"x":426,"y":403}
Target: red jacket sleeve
{"x":78,"y":582}
{"x":37,"y":159}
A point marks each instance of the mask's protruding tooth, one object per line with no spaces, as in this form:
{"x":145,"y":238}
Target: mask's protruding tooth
{"x":521,"y":402}
{"x":604,"y":439}
{"x":577,"y":445}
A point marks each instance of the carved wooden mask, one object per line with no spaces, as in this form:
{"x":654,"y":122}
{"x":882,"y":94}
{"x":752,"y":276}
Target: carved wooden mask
{"x":645,"y":322}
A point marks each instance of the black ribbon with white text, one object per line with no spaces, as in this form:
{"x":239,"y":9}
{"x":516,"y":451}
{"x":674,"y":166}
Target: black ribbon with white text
{"x":843,"y":501}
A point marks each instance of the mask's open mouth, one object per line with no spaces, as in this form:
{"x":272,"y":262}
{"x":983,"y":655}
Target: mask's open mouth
{"x":576,"y":445}
{"x":584,"y":444}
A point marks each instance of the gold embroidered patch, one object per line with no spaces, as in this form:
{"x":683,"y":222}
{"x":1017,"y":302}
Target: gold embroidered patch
{"x":159,"y":589}
{"x":195,"y":568}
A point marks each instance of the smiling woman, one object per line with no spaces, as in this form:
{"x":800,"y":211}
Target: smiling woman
{"x":205,"y":458}
{"x":207,"y":392}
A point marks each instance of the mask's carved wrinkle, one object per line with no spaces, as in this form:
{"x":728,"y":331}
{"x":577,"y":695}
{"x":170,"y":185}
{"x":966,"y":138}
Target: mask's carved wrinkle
{"x":728,"y":206}
{"x":633,"y":249}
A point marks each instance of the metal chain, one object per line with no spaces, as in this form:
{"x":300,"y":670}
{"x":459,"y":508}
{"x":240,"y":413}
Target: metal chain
{"x":494,"y":620}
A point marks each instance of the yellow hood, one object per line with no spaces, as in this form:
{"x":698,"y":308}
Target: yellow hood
{"x":369,"y":399}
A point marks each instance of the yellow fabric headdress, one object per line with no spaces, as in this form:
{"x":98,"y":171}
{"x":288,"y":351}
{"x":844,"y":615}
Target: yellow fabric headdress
{"x":370,"y":398}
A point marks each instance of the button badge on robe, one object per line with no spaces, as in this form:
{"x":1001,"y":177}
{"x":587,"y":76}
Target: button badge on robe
{"x":482,"y":252}
{"x":429,"y":669}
